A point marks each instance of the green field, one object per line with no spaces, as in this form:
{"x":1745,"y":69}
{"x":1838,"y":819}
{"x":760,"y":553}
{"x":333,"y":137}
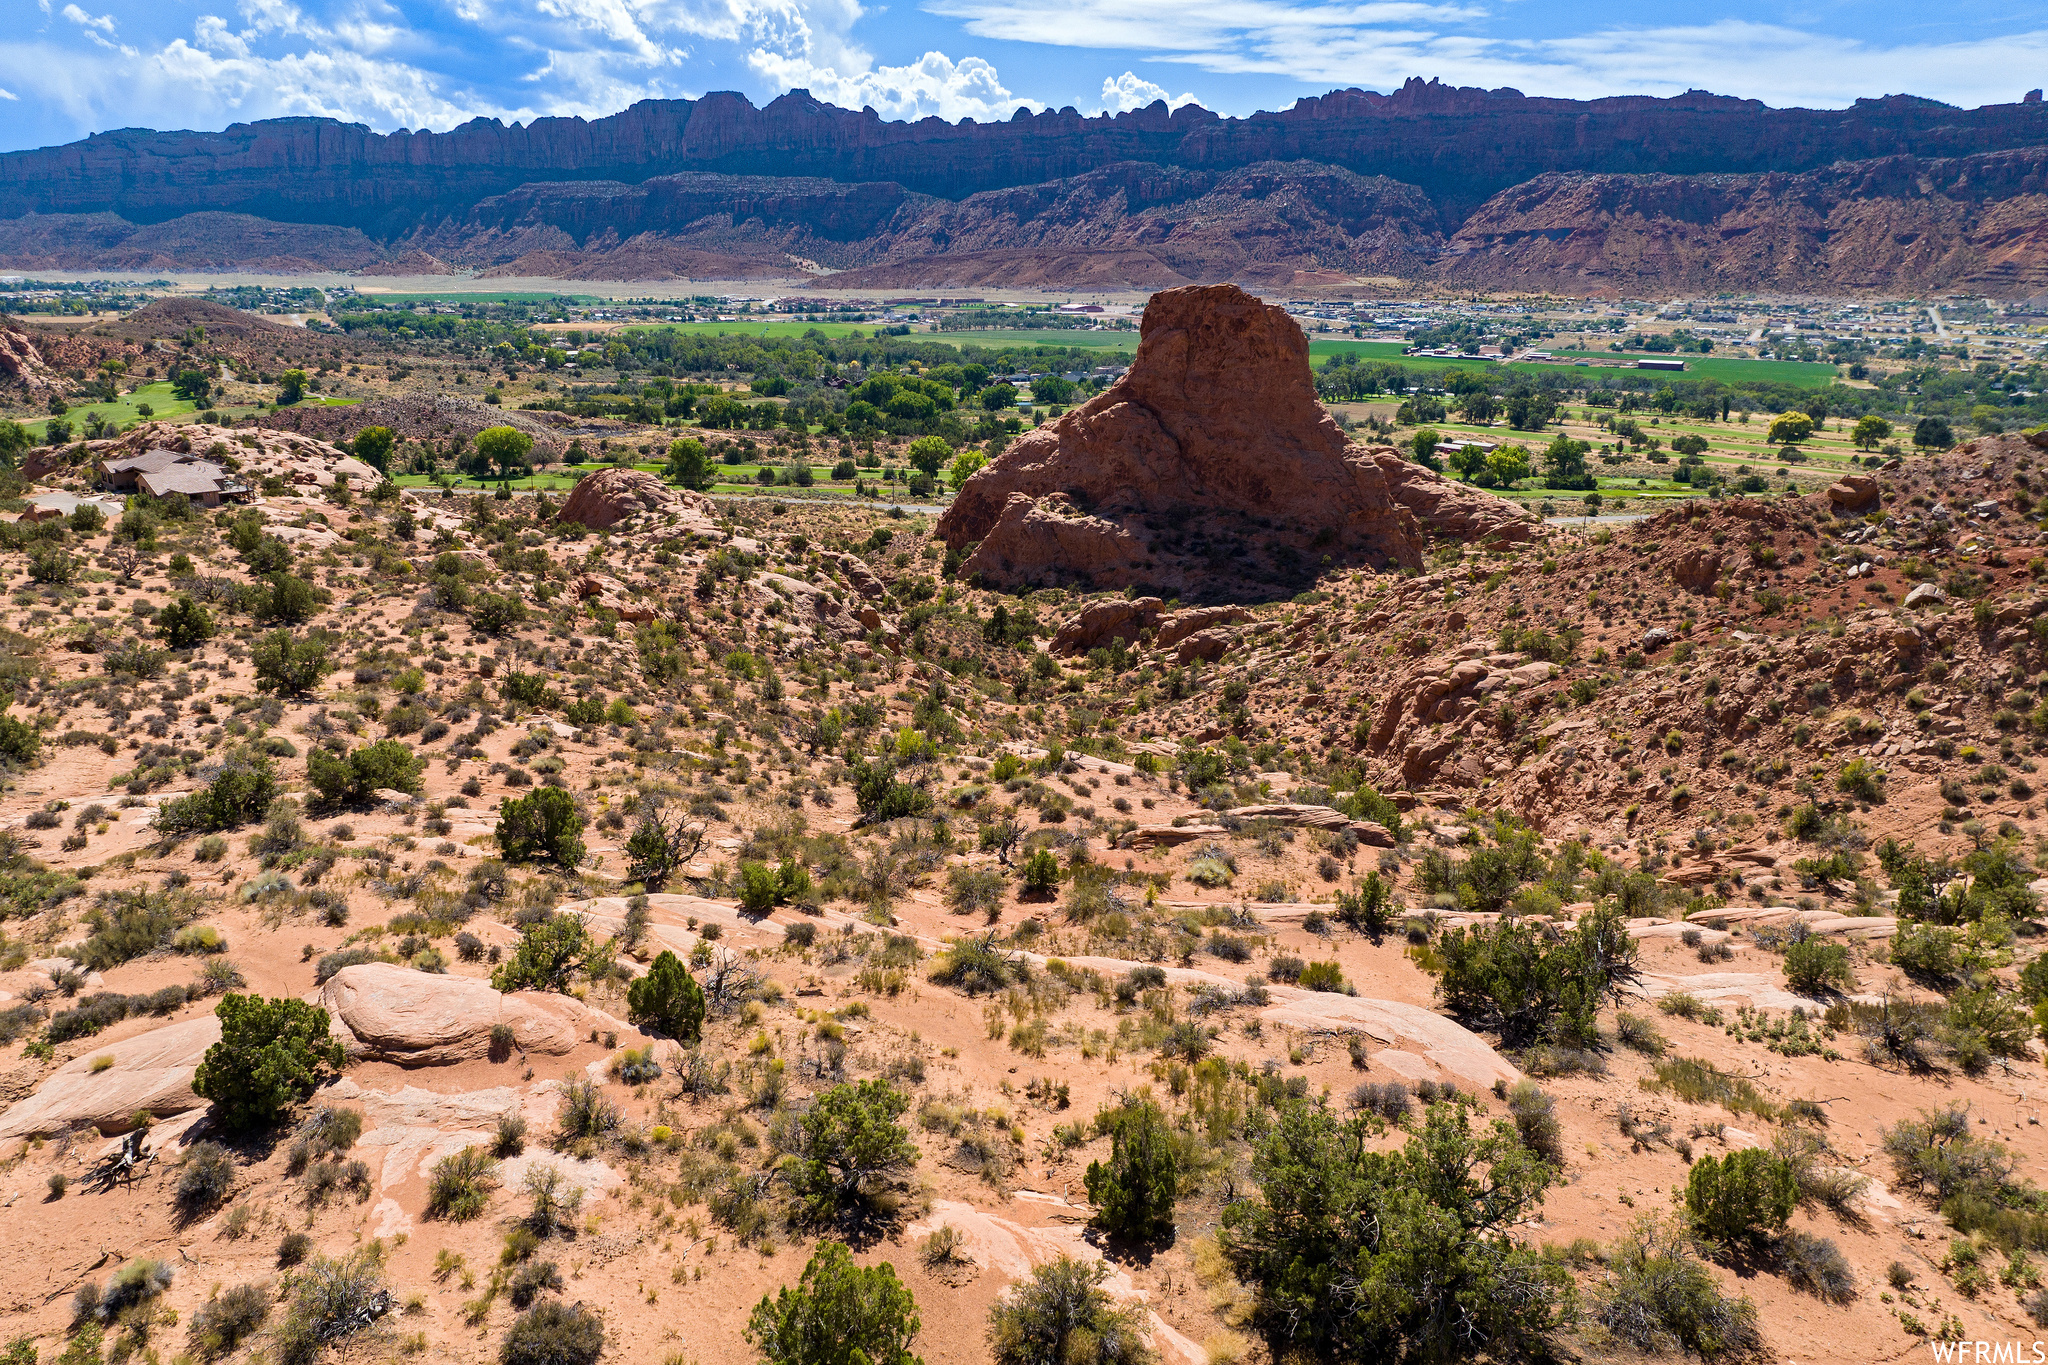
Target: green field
{"x":1020,"y":338}
{"x":753,"y":329}
{"x":164,"y":405}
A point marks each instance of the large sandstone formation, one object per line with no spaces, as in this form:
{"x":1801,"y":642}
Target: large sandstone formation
{"x":1211,"y":460}
{"x":21,"y":364}
{"x":611,"y":496}
{"x":387,"y":1013}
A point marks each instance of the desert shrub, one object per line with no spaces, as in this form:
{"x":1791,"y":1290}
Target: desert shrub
{"x":1331,"y":1212}
{"x":1815,"y":1265}
{"x":850,"y":1147}
{"x":1321,"y":976}
{"x":802,"y":934}
{"x":1814,"y":966}
{"x":127,"y":925}
{"x":460,"y":1187}
{"x":204,"y":1178}
{"x":1041,"y":873}
{"x":555,"y":1201}
{"x":136,"y":1283}
{"x":1659,"y":1297}
{"x":1535,"y":1117}
{"x":635,"y":1066}
{"x":509,"y":1138}
{"x":586,"y":1112}
{"x":1937,"y":1155}
{"x":668,"y":1000}
{"x":531,"y":1280}
{"x":293,"y":1248}
{"x":1639,"y":1034}
{"x":291,"y":666}
{"x":1063,"y":1314}
{"x":838,"y":1312}
{"x":1741,"y":1197}
{"x":1389,"y":1100}
{"x":330,"y":963}
{"x":225,"y":1320}
{"x":272,"y":1053}
{"x":240,"y":793}
{"x":553,"y":1333}
{"x":974,"y":890}
{"x":1926,"y":952}
{"x":976,"y":965}
{"x":1982,"y":1023}
{"x":542,"y":827}
{"x":550,"y":953}
{"x":1134,"y":1191}
{"x":1508,"y":978}
{"x":351,"y":780}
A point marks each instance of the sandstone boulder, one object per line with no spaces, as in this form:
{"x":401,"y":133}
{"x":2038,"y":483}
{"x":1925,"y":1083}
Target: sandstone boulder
{"x":1100,"y":622}
{"x":1214,"y":434}
{"x":1697,"y":569}
{"x":612,"y":495}
{"x":602,"y":590}
{"x":1181,"y":624}
{"x":386,"y":1013}
{"x":151,"y":1072}
{"x":1854,"y":493}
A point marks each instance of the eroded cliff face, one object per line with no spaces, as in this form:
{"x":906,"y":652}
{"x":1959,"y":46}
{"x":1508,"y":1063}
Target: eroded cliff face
{"x":1209,"y":468}
{"x":1482,"y":189}
{"x":1459,"y":145}
{"x":1898,"y":223}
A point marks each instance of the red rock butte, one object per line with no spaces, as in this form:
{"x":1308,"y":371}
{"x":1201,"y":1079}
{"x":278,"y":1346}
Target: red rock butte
{"x":1216,"y":422}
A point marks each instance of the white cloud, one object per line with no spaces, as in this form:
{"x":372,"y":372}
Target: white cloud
{"x":935,"y":85}
{"x":1132,"y":91}
{"x":105,"y":23}
{"x":1380,"y":44}
{"x":6,"y":94}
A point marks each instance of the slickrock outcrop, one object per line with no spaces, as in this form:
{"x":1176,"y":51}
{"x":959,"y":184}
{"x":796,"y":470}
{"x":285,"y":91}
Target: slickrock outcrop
{"x":151,"y":1072}
{"x":1210,"y":460}
{"x":388,"y":1013}
{"x":613,"y":495}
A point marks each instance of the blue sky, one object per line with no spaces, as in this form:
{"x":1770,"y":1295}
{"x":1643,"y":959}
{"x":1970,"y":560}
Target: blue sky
{"x":72,"y":67}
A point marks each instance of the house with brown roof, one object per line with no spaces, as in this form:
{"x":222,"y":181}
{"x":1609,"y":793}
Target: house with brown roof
{"x":163,"y":472}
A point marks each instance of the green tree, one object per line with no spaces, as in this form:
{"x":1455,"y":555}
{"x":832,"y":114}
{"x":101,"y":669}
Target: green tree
{"x":1564,"y":463}
{"x":240,"y":793}
{"x":1791,"y":428}
{"x":1359,"y":1254}
{"x":272,"y":1054}
{"x":689,"y":464}
{"x":838,"y":1314}
{"x":504,"y":449}
{"x":1932,"y":433}
{"x":1513,"y":979}
{"x":1870,"y":431}
{"x":965,"y":466}
{"x":550,"y":953}
{"x":387,"y":765}
{"x":544,"y":826}
{"x":1063,"y":1316}
{"x":14,"y":443}
{"x":291,"y":666}
{"x":1740,"y":1197}
{"x":184,"y":624}
{"x":998,"y":398}
{"x":668,"y":1000}
{"x":1423,"y":446}
{"x":930,"y":454}
{"x":1508,"y":464}
{"x":1134,"y":1192}
{"x":373,"y":447}
{"x":1041,"y":873}
{"x":284,"y":598}
{"x":291,"y":387}
{"x":851,"y":1145}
